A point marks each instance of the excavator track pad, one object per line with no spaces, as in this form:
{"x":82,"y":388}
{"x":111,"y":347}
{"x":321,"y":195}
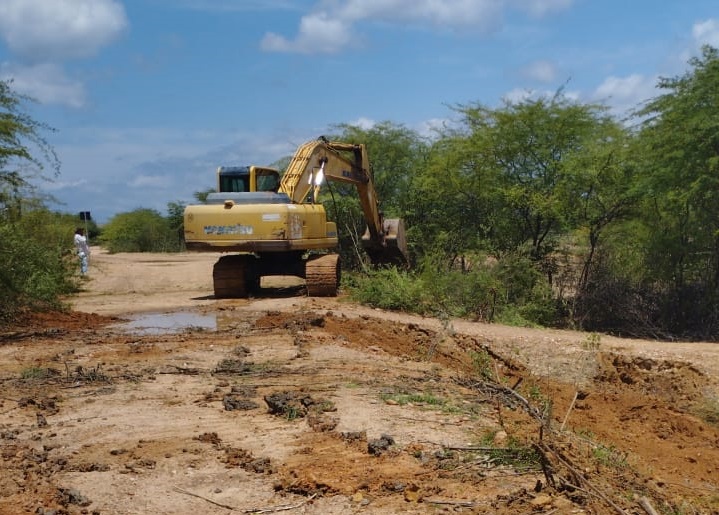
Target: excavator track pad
{"x":322,"y":275}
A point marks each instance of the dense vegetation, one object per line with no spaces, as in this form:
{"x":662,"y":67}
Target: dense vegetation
{"x":543,"y":211}
{"x":144,"y":230}
{"x":550,"y":211}
{"x":35,"y":260}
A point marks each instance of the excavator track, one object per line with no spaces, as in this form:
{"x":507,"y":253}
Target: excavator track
{"x":235,"y":277}
{"x":322,"y":274}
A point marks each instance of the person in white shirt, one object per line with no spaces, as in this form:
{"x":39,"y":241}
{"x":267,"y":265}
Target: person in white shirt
{"x":83,"y":251}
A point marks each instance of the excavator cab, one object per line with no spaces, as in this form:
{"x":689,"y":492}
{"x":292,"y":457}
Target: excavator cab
{"x":245,"y":179}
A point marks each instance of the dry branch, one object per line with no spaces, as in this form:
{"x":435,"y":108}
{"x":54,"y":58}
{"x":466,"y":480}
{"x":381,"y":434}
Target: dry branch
{"x":181,"y":491}
{"x":274,"y":509}
{"x":571,"y":407}
{"x":644,"y":503}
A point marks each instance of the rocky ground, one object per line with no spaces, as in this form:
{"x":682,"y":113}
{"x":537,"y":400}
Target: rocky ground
{"x":153,"y":397}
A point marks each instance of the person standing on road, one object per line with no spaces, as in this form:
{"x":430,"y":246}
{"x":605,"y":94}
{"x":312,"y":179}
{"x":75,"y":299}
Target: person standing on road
{"x":83,"y":251}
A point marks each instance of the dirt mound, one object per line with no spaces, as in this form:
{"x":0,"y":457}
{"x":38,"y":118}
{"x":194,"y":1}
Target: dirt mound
{"x":676,"y":383}
{"x":48,"y":322}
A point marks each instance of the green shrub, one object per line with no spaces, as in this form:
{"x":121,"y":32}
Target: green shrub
{"x":37,"y":265}
{"x":142,"y":230}
{"x":464,"y":294}
{"x":388,"y":288}
{"x":513,"y":292}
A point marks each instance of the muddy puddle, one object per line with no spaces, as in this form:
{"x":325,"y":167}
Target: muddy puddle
{"x":168,"y":323}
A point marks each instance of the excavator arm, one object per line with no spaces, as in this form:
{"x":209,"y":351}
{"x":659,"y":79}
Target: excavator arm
{"x":321,"y":159}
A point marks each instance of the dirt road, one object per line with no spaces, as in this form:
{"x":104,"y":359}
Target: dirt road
{"x":154,"y":397}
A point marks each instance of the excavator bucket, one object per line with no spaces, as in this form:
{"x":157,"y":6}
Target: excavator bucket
{"x":393,"y":249}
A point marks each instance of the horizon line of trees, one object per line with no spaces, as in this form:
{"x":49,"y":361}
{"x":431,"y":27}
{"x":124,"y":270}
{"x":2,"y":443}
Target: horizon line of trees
{"x":543,"y":211}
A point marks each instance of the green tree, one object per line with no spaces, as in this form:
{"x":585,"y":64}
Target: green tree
{"x":451,"y":207}
{"x":36,"y":266}
{"x":24,"y":153}
{"x":679,"y":141}
{"x":201,"y":196}
{"x":175,"y":220}
{"x":599,"y":186}
{"x":524,"y":146}
{"x":395,"y":154}
{"x":680,"y":138}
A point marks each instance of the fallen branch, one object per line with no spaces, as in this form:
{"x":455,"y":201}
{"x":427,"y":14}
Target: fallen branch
{"x":579,"y":478}
{"x":275,"y":509}
{"x":283,"y":507}
{"x":571,"y":407}
{"x":181,"y":491}
{"x":181,"y":370}
{"x":494,"y":388}
{"x":644,"y":503}
{"x":487,"y":449}
{"x":440,"y":502}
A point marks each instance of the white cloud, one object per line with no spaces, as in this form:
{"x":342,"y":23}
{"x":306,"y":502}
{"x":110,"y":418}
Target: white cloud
{"x":46,"y":83}
{"x":109,"y":171}
{"x":706,"y":32}
{"x":432,"y":127}
{"x":149,"y":181}
{"x":318,"y":33}
{"x":625,"y":93}
{"x":233,"y":5}
{"x":448,"y":13}
{"x":46,"y":30}
{"x":63,"y":185}
{"x":519,"y":95}
{"x":332,"y":28}
{"x":542,"y":71}
{"x":364,"y":123}
{"x":541,"y":7}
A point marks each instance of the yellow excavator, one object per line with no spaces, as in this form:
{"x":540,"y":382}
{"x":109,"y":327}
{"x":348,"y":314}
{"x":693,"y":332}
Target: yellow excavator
{"x":272,"y":226}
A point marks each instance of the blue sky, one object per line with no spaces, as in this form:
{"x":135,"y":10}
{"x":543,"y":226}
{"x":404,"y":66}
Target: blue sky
{"x":149,"y":96}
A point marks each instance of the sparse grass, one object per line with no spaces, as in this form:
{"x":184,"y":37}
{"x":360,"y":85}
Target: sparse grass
{"x":87,"y":375}
{"x":541,"y":402}
{"x":592,"y":342}
{"x":31,"y":373}
{"x":517,"y":456}
{"x":609,"y":456}
{"x":708,"y":410}
{"x":292,"y":413}
{"x":487,"y":438}
{"x":481,"y":364}
{"x":426,"y":400}
{"x":513,"y":453}
{"x":414,"y":398}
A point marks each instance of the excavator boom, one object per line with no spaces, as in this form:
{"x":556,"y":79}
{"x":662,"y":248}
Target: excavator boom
{"x":384,"y":241}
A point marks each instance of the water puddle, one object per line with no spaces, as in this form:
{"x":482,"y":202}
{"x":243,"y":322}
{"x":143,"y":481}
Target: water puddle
{"x":168,"y":323}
